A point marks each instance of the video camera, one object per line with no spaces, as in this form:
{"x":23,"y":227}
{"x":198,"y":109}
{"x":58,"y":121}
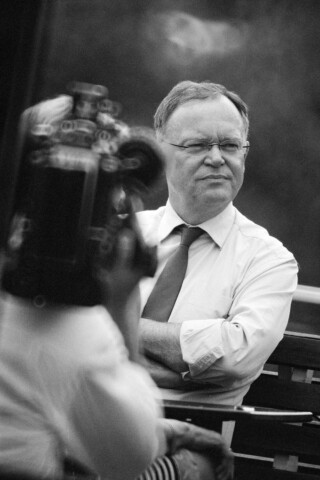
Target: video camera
{"x":78,"y":185}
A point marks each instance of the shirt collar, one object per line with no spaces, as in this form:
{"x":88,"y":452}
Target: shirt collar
{"x":217,"y":227}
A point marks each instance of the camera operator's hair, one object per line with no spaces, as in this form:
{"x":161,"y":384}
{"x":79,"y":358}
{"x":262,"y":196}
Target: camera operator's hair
{"x":186,"y":91}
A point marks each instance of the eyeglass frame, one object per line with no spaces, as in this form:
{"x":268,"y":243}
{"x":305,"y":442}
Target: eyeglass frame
{"x":208,"y":146}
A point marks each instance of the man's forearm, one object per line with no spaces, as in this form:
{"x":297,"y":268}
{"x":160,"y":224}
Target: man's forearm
{"x":161,"y":342}
{"x":163,"y":375}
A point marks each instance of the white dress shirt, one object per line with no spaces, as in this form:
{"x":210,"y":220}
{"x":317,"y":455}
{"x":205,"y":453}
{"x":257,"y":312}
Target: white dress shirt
{"x":66,"y":385}
{"x":235,"y":300}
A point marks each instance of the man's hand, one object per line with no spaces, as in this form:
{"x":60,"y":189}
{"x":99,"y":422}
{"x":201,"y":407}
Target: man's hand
{"x":185,"y":435}
{"x":163,"y":375}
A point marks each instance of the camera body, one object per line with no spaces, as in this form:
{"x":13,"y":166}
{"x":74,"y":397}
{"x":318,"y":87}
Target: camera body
{"x":79,"y":183}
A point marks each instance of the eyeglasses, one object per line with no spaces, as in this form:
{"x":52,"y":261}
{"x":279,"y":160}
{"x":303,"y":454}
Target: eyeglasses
{"x":230,"y":148}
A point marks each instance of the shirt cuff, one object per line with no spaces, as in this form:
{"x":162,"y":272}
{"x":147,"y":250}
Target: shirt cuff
{"x":201,"y":344}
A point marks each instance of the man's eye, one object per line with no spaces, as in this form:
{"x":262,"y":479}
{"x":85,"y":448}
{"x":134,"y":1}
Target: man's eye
{"x":196,"y":145}
{"x":196,"y":148}
{"x":229,"y":146}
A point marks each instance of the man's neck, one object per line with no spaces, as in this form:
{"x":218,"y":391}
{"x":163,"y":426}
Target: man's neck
{"x":191,"y":216}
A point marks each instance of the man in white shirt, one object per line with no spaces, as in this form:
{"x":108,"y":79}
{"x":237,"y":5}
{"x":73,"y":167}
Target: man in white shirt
{"x":234,"y":303}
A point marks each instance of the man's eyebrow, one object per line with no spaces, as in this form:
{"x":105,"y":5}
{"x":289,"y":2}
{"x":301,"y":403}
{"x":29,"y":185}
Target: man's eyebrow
{"x":227,"y":137}
{"x":197,"y":138}
{"x":205,"y":139}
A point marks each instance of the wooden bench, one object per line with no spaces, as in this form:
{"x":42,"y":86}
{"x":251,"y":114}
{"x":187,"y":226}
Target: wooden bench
{"x":289,"y":381}
{"x":273,"y":449}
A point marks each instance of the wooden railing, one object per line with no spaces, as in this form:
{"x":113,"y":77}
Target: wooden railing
{"x":305,"y":293}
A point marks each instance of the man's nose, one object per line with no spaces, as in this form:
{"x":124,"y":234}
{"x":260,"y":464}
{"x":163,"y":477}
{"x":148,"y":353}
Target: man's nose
{"x":213,"y":157}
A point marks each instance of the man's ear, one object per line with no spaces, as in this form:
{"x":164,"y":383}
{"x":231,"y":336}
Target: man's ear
{"x":247,"y":143}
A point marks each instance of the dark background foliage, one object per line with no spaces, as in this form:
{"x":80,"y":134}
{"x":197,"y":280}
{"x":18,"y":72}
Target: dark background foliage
{"x":265,"y":50}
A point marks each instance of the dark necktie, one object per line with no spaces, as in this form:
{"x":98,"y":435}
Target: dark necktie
{"x":164,"y":294}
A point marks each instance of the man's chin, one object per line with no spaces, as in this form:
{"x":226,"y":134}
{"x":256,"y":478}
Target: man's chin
{"x":217,"y":197}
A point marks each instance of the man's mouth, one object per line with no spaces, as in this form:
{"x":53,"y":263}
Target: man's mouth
{"x":214,"y":176}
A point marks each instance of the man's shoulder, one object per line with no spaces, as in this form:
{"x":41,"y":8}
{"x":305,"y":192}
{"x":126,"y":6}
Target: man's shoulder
{"x":249,"y":228}
{"x":253,"y":233}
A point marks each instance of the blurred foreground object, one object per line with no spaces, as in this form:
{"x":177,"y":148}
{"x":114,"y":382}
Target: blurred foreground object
{"x":82,"y":172}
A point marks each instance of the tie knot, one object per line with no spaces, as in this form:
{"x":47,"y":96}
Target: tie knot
{"x":189,"y":235}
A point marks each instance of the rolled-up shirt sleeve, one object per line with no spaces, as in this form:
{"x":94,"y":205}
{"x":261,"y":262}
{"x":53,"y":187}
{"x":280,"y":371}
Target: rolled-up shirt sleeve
{"x":235,"y":347}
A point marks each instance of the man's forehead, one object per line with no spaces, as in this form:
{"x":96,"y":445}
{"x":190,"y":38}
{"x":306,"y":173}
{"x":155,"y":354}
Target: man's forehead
{"x":197,"y":116}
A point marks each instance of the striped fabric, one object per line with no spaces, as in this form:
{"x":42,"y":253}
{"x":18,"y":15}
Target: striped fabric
{"x":163,"y":468}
